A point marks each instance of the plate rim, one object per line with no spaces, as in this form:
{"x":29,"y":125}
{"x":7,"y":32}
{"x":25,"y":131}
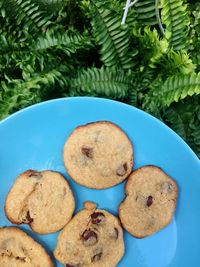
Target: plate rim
{"x":91,"y":98}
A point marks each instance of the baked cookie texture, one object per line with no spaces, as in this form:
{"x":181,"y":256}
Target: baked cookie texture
{"x":98,"y":155}
{"x":150,"y":201}
{"x":17,"y":249}
{"x":93,"y":238}
{"x":43,"y":200}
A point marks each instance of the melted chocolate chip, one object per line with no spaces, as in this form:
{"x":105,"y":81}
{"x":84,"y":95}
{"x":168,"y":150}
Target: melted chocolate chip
{"x":97,"y":218}
{"x":97,"y":255}
{"x":21,"y":258}
{"x":28,"y":217}
{"x":149,"y":201}
{"x":87,"y":151}
{"x":89,"y":237}
{"x":116,"y":233}
{"x":121,"y":171}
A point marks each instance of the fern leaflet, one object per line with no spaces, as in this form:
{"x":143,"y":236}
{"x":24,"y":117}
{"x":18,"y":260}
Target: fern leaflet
{"x":111,"y":35}
{"x":107,"y":82}
{"x":175,"y":17}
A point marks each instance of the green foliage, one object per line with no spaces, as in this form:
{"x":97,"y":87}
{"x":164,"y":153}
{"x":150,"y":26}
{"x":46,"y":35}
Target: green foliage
{"x":55,"y":48}
{"x":184,"y":118}
{"x":24,"y":13}
{"x":175,"y":88}
{"x":19,"y":93}
{"x":111,"y":35}
{"x":146,"y":12}
{"x":105,"y":82}
{"x":176,"y":19}
{"x":152,"y":44}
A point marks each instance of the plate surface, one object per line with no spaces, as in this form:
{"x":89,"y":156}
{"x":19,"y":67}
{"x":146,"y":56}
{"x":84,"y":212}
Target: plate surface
{"x":33,"y":139}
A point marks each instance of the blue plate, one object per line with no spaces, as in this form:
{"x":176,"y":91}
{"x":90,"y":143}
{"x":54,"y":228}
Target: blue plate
{"x":33,"y":139}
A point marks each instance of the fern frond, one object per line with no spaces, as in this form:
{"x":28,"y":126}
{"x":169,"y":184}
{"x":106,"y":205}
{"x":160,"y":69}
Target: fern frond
{"x":174,"y":89}
{"x":67,"y":41}
{"x":25,"y":13}
{"x":151,"y":45}
{"x":107,"y":82}
{"x":111,"y":35}
{"x":184,"y":118}
{"x":176,"y":19}
{"x":176,"y":122}
{"x":52,"y":5}
{"x":146,"y":12}
{"x":178,"y":62}
{"x":16,"y":92}
{"x":179,"y":87}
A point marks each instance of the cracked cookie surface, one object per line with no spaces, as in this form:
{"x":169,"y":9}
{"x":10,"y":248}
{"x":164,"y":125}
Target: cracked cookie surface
{"x":150,"y":201}
{"x":43,"y":200}
{"x":98,"y":155}
{"x":93,"y":238}
{"x":17,"y":249}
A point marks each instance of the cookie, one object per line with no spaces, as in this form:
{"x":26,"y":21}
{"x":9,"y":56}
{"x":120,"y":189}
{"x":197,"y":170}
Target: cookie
{"x":150,"y":201}
{"x":92,"y":238}
{"x":17,"y":249}
{"x":43,"y":200}
{"x":98,"y":155}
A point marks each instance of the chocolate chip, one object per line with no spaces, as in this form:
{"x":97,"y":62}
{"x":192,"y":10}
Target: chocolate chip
{"x":87,"y":151}
{"x":97,"y":217}
{"x":35,"y":174}
{"x":28,"y":217}
{"x":116,"y":233}
{"x":89,"y":237}
{"x":166,"y":187}
{"x":21,"y":258}
{"x":121,"y":171}
{"x":97,"y":255}
{"x":149,"y":201}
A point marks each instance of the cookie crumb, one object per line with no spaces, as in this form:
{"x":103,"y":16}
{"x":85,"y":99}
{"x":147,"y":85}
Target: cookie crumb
{"x":90,"y":205}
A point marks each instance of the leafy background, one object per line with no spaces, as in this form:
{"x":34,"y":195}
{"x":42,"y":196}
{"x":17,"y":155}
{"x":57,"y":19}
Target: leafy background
{"x":57,"y":48}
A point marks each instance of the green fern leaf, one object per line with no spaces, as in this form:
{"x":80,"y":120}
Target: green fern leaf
{"x":179,"y":87}
{"x":176,"y":122}
{"x":26,"y":13}
{"x":151,"y":45}
{"x":18,"y":93}
{"x":111,"y":35}
{"x":67,"y":41}
{"x":175,"y":17}
{"x":174,"y":89}
{"x":107,"y":82}
{"x":146,"y":12}
{"x":178,"y":62}
{"x":52,"y":5}
{"x":184,"y":118}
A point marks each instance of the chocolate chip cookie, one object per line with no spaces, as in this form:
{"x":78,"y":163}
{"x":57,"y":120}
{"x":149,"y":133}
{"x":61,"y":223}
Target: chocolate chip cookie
{"x":98,"y":155}
{"x":92,"y":238}
{"x":150,"y":201}
{"x":43,"y":200}
{"x":17,"y":249}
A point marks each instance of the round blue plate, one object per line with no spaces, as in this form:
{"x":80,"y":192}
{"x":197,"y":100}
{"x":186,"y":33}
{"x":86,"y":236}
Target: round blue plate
{"x":34,"y":137}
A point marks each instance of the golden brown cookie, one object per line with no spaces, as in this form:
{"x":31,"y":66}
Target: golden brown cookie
{"x":150,"y":201}
{"x":17,"y":249}
{"x":93,"y":238}
{"x":43,"y":200}
{"x":98,"y":155}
